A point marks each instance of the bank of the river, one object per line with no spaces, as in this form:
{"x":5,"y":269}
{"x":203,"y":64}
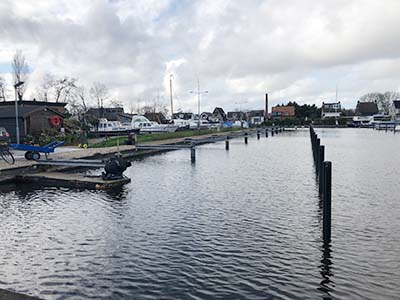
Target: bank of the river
{"x":109,"y":148}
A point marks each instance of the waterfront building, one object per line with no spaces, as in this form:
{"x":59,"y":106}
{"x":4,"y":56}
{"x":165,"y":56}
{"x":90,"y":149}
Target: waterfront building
{"x":395,"y":110}
{"x":282,"y":111}
{"x":34,"y":117}
{"x":218,"y":115}
{"x":366,"y":109}
{"x":256,"y":117}
{"x":331,"y":110}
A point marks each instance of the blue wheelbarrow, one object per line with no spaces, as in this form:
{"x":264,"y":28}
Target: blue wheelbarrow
{"x":33,"y":152}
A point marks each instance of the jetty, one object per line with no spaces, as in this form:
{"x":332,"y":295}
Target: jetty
{"x":57,"y":170}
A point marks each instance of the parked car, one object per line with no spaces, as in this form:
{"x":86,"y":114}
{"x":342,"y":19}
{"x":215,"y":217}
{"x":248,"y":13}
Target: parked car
{"x":4,"y":136}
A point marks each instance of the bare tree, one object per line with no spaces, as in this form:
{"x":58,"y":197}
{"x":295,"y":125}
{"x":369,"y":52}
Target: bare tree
{"x":2,"y":89}
{"x":100,"y":93}
{"x":116,"y":103}
{"x":45,"y":87}
{"x":20,"y":73}
{"x":63,"y":87}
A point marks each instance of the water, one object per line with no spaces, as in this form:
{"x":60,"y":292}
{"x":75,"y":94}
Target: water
{"x":243,"y":224}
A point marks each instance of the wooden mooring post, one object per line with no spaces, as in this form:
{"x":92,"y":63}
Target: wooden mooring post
{"x":324,"y":172}
{"x":245,"y":138}
{"x":266,"y":132}
{"x":321,"y":169}
{"x":193,"y":154}
{"x":227,"y":143}
{"x":327,"y":202}
{"x":258,"y":134}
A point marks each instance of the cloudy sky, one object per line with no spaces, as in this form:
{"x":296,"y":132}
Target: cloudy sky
{"x":239,"y":50}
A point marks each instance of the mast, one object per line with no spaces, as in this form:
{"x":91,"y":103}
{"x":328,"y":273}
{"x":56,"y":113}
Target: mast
{"x":170,"y":92}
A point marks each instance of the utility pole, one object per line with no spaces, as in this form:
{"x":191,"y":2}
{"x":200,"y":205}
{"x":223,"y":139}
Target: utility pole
{"x":170,"y":92}
{"x":18,"y":84}
{"x":199,"y":93}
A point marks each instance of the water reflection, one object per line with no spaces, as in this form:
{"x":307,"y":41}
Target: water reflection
{"x":326,"y":265}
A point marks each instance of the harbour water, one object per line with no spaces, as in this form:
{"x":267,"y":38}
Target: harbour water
{"x":237,"y":224}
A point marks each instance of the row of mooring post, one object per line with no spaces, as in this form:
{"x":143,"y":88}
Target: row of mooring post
{"x":246,"y":140}
{"x":324,"y":174}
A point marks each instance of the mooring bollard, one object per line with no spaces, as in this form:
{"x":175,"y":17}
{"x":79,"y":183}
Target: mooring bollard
{"x":266,"y":133}
{"x":192,"y":154}
{"x":327,"y":204}
{"x":245,"y":138}
{"x":227,"y":143}
{"x":316,"y":154}
{"x":321,"y":169}
{"x":272,"y":131}
{"x":258,"y":134}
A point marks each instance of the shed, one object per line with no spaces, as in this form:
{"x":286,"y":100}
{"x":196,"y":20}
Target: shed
{"x":32,"y":120}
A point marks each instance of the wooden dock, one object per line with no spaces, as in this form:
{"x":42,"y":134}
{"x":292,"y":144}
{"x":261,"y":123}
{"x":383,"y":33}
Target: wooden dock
{"x":60,"y":179}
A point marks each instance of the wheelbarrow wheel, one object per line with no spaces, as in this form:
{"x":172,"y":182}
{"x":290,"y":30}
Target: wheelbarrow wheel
{"x":29,"y":155}
{"x":35,"y":155}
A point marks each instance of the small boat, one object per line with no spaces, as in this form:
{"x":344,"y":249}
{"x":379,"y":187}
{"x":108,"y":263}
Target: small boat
{"x":147,"y":126}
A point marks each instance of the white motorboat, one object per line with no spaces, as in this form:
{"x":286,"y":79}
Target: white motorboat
{"x":111,"y":126}
{"x":146,"y":126}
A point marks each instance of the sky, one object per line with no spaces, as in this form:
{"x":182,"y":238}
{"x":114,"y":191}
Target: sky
{"x":237,"y":50}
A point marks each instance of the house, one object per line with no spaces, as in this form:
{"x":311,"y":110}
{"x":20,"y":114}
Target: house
{"x":331,"y":110}
{"x":184,"y":116}
{"x":281,"y":111}
{"x":111,"y":113}
{"x":218,"y":115}
{"x":32,"y":120}
{"x":205,"y":115}
{"x":236,"y":116}
{"x":256,"y":117}
{"x":366,"y":109}
{"x":395,"y":110}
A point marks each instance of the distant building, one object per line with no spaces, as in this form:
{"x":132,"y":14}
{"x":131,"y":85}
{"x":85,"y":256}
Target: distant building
{"x":184,"y":116}
{"x":236,"y":115}
{"x":365,"y":109}
{"x":205,"y":115}
{"x":395,"y":111}
{"x":331,"y":110}
{"x":111,"y":114}
{"x":33,"y":119}
{"x":218,"y":115}
{"x":256,"y":117}
{"x":283,"y":112}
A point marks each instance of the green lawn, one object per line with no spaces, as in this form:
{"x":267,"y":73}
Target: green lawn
{"x":159,"y":136}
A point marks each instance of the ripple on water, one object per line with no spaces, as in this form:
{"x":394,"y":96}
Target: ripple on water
{"x":243,"y":224}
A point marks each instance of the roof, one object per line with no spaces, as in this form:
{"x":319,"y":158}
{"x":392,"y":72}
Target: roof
{"x":219,"y":110}
{"x":32,"y":103}
{"x":366,"y":108}
{"x":9,"y":112}
{"x":396,"y":104}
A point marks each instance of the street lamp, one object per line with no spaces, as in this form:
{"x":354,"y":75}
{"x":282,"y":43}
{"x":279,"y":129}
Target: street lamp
{"x":18,"y":84}
{"x":198,"y":92}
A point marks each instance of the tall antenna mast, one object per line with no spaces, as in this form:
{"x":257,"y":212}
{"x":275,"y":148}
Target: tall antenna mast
{"x":170,"y":92}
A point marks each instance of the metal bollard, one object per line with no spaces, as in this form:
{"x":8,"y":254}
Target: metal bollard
{"x":245,"y":138}
{"x":327,"y":204}
{"x":227,"y":144}
{"x":258,"y":134}
{"x":266,"y":133}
